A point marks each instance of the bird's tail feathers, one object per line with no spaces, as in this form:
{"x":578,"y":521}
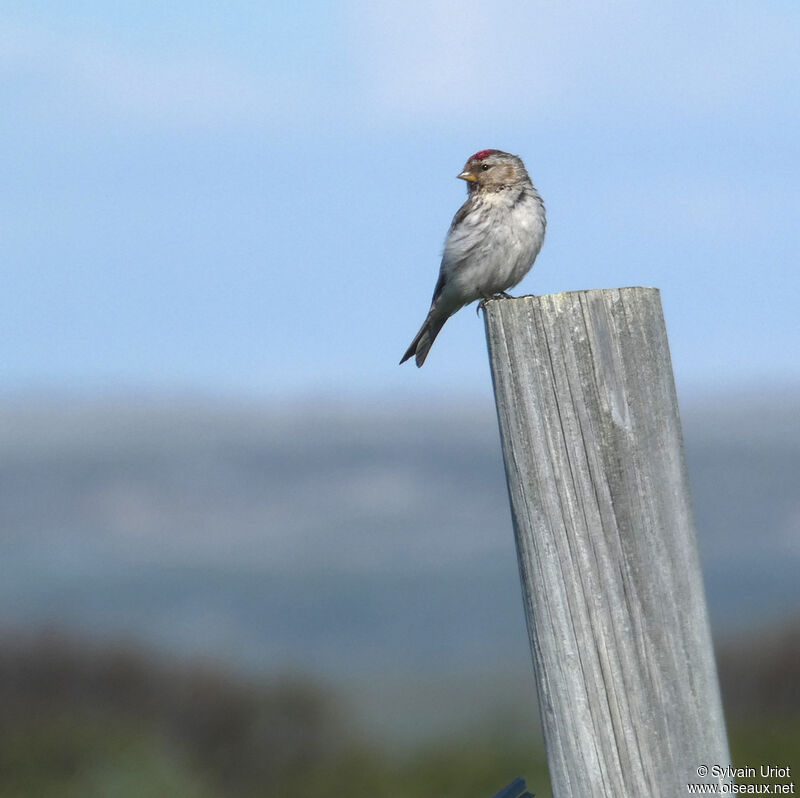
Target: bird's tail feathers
{"x":424,"y":339}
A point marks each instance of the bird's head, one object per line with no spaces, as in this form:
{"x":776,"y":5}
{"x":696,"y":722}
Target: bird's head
{"x":492,"y":170}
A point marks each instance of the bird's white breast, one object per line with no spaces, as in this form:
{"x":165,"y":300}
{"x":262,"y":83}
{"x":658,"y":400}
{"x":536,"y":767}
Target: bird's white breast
{"x":494,"y":246}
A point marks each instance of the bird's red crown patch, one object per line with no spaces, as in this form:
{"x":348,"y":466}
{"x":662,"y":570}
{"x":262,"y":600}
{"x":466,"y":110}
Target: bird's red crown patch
{"x":479,"y":156}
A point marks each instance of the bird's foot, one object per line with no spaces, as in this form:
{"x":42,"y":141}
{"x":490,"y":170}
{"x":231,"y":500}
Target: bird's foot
{"x":496,"y":295}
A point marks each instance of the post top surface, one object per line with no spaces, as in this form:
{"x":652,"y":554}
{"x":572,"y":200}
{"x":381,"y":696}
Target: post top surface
{"x":581,"y":291}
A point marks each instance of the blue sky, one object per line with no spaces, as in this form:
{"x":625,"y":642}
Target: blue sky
{"x":229,"y":200}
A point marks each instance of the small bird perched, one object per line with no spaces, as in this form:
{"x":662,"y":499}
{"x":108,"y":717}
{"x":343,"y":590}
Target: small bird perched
{"x":492,"y":242}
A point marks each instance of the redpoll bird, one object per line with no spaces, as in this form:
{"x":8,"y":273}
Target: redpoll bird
{"x":492,"y":242}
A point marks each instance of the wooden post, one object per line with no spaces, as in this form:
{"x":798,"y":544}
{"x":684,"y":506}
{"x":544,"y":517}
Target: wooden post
{"x":611,"y":580}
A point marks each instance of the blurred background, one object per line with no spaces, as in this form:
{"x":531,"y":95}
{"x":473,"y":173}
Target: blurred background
{"x":243,"y":552}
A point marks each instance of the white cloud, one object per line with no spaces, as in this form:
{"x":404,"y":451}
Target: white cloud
{"x":70,"y":75}
{"x":554,"y":59}
{"x":436,"y":60}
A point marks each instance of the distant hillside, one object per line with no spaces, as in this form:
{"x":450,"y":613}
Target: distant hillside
{"x":338,"y":541}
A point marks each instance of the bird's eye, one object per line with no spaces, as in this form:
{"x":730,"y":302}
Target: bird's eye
{"x":484,"y":166}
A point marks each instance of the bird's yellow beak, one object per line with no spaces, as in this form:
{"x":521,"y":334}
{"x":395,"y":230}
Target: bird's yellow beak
{"x":468,"y":176}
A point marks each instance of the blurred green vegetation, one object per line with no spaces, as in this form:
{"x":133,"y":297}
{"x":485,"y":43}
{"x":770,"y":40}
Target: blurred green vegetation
{"x":85,"y":720}
{"x":760,"y":681}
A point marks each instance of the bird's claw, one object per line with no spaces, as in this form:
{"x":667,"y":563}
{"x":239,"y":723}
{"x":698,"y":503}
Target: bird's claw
{"x":496,"y":295}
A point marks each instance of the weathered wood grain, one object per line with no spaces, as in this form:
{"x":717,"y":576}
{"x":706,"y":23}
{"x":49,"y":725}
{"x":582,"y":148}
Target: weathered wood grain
{"x":611,"y":579}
